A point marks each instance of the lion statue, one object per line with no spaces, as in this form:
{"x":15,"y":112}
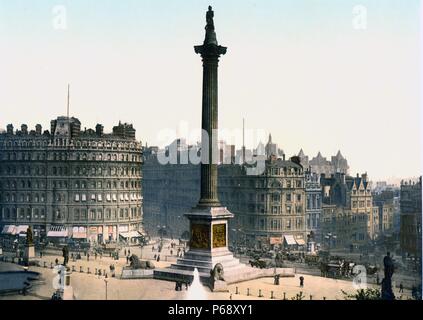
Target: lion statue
{"x":217,"y":273}
{"x":135,"y":262}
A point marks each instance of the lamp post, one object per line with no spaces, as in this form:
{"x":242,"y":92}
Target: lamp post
{"x":105,"y":281}
{"x":329,"y":236}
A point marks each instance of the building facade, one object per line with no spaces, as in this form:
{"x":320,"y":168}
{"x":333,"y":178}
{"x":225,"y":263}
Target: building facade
{"x":170,"y":191}
{"x":268,"y":208}
{"x":69,"y":183}
{"x":348,"y":212}
{"x":411,"y":218}
{"x":313,"y":209}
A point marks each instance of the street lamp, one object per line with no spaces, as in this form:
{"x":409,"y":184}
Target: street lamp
{"x":329,"y":236}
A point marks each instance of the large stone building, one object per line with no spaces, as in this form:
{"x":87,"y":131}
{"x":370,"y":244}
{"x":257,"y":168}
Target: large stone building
{"x":348,"y":214}
{"x":411,"y":218}
{"x":71,"y":183}
{"x":267,"y":207}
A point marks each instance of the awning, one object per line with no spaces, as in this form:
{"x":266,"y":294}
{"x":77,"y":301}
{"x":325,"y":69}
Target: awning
{"x":300,"y":242}
{"x":131,"y":234}
{"x":9,"y":229}
{"x":21,"y":229}
{"x":57,"y":232}
{"x":79,"y":235}
{"x":290,"y":240}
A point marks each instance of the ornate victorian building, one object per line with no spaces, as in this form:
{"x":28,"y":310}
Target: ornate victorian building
{"x":348,"y":212}
{"x":268,"y":208}
{"x":68,"y":183}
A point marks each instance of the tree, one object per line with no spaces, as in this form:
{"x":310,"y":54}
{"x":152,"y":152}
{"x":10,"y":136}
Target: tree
{"x":363,"y":294}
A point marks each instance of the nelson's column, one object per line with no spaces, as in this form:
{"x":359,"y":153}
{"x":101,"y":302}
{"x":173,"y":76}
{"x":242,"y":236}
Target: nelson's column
{"x":208,"y":220}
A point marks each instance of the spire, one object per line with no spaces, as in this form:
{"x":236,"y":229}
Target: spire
{"x":301,"y":153}
{"x":243,"y":141}
{"x":67,"y":108}
{"x":270,"y":138}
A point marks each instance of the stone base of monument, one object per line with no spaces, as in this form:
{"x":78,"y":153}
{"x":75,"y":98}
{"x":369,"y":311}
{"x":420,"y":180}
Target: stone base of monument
{"x":219,"y":286}
{"x":234,"y":271}
{"x":29,"y":256}
{"x":128,"y":273}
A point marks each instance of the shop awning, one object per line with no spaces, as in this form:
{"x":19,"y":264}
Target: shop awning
{"x":300,"y":242}
{"x":79,"y":235}
{"x":21,"y":229}
{"x":9,"y":229}
{"x":290,"y":240}
{"x":57,"y":232}
{"x":131,"y":234}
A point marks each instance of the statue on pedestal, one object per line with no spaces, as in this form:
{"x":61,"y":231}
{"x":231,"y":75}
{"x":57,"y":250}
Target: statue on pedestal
{"x":29,"y":237}
{"x":387,"y":293}
{"x":28,"y":253}
{"x":65,"y":252}
{"x":210,"y":32}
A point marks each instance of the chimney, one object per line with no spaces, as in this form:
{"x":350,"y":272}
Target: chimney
{"x":296,"y":159}
{"x":99,"y":129}
{"x":24,"y":129}
{"x":38,"y":129}
{"x":10,"y":129}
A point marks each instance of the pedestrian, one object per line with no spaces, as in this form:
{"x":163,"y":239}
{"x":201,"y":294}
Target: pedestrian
{"x":301,"y":281}
{"x":124,"y":252}
{"x":158,"y":258}
{"x":127,"y":259}
{"x":171,"y":252}
{"x":57,"y":261}
{"x":129,"y":252}
{"x":88,"y":256}
{"x":377,"y":279}
{"x":95,"y":255}
{"x":401,"y":288}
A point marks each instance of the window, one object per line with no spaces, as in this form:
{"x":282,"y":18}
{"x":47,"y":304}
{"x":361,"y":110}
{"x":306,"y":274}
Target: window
{"x":76,"y":197}
{"x":288,"y":197}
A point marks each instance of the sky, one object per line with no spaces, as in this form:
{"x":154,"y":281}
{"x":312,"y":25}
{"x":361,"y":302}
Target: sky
{"x":320,"y":75}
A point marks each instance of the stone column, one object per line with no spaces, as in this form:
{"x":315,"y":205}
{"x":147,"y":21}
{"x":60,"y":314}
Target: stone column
{"x":210,"y":51}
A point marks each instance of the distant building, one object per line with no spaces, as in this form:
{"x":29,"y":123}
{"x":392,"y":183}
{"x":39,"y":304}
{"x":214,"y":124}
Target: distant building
{"x":411,"y":218}
{"x":384,"y":201}
{"x":71,"y":183}
{"x":170,"y":191}
{"x":347,"y":210}
{"x":320,"y":165}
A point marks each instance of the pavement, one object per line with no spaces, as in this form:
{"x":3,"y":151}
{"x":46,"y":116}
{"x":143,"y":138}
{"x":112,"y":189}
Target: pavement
{"x":93,"y":287}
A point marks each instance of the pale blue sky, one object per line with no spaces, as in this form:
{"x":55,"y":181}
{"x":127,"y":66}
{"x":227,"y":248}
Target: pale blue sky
{"x":295,"y":68}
